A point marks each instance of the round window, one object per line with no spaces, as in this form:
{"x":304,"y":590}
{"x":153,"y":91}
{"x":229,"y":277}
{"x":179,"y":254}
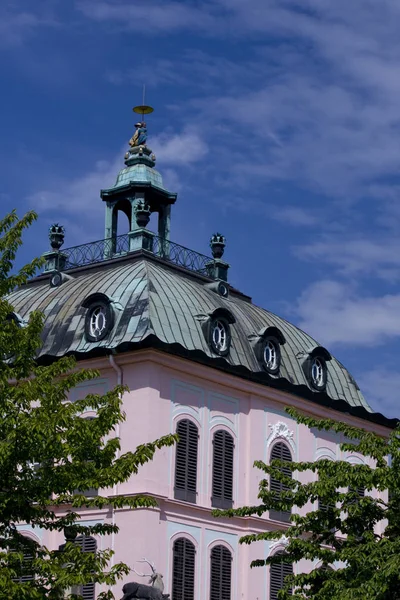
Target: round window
{"x":271,"y":356}
{"x":318,"y":373}
{"x":98,"y":322}
{"x":220,"y":337}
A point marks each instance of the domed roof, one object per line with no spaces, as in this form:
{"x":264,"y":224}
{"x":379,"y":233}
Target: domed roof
{"x":158,"y":305}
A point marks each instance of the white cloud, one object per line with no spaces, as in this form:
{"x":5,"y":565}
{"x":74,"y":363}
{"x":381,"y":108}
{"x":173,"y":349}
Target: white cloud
{"x":17,"y":22}
{"x":365,"y":256}
{"x":381,"y":387}
{"x":148,"y":17}
{"x":77,"y":195}
{"x":336,"y":315}
{"x":294,"y":215}
{"x":179,"y":148}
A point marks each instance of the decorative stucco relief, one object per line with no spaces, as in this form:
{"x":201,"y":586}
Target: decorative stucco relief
{"x":280,"y":544}
{"x":280,"y":430}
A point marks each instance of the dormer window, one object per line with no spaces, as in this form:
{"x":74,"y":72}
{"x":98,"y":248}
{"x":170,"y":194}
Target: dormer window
{"x":315,"y":367}
{"x":220,"y":336}
{"x":99,"y":317}
{"x":98,"y":321}
{"x":267,"y":348}
{"x":318,"y":372}
{"x":271,"y":355}
{"x":216,"y":328}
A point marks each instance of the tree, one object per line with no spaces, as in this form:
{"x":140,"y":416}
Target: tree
{"x":47,"y":452}
{"x":354,"y":537}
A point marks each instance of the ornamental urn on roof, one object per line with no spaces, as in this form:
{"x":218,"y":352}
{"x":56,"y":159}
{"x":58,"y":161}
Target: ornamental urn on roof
{"x":56,"y":236}
{"x":217,"y":245}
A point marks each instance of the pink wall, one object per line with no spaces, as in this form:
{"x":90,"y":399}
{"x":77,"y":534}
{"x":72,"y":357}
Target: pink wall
{"x":164,"y":389}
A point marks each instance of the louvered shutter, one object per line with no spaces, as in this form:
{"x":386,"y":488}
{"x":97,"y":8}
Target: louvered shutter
{"x":183,"y":570}
{"x":325,"y":506}
{"x":220,"y":573}
{"x":278,"y":572}
{"x":25,"y":567}
{"x":88,"y":544}
{"x":282,"y":452}
{"x":360,"y":491}
{"x":186,"y":461}
{"x":222,"y":473}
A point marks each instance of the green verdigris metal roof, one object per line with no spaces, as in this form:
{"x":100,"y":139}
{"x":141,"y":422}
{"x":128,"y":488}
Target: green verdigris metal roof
{"x":159,"y":306}
{"x":139,"y":173}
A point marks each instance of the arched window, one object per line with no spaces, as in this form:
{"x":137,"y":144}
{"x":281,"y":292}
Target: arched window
{"x":186,"y":461}
{"x":278,"y":573}
{"x":222,"y":470}
{"x":280,"y":451}
{"x":220,"y":573}
{"x":183,"y":569}
{"x":88,"y":544}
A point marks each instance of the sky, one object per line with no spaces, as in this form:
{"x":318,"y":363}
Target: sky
{"x":276,"y":121}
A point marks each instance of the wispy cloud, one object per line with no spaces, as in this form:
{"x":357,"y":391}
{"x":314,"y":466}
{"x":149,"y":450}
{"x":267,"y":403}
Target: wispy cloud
{"x":295,"y":215}
{"x":179,"y":148}
{"x":337,"y":315}
{"x":75,"y":201}
{"x":148,"y":18}
{"x":366,"y":256}
{"x":18,"y":21}
{"x":381,"y":388}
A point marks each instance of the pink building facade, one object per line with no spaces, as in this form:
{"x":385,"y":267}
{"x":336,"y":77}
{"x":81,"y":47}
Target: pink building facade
{"x":198,"y":358}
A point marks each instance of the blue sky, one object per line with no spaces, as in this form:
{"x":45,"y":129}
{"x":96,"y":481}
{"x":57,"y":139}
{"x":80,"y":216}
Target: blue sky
{"x":276,"y":121}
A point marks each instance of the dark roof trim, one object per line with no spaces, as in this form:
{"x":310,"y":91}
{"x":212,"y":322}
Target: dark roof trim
{"x":319,"y":351}
{"x":96,"y":297}
{"x":274,"y":332}
{"x":261,"y":377}
{"x":222,"y":313}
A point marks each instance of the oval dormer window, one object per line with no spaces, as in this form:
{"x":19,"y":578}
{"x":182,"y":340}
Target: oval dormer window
{"x":318,"y":373}
{"x":99,"y":321}
{"x":271,"y":355}
{"x":220,"y":336}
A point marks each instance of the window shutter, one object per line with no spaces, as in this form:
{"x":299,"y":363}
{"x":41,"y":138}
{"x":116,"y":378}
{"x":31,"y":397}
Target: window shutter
{"x":222,"y":473}
{"x":88,"y":544}
{"x":25,"y":567}
{"x":186,"y":461}
{"x":325,"y":506}
{"x":278,"y":572}
{"x":360,"y":491}
{"x":221,"y":573}
{"x":280,"y":451}
{"x":183,"y":570}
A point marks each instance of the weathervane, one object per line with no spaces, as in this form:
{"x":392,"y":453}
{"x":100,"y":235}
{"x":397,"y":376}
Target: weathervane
{"x":140,"y":136}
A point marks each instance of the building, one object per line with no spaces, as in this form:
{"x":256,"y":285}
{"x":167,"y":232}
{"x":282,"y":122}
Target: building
{"x":201,"y":359}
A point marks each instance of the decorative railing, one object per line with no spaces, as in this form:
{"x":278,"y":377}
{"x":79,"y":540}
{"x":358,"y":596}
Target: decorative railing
{"x":102,"y":250}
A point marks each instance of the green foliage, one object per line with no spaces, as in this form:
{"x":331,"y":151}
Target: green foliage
{"x":356,"y":538}
{"x":47,"y":452}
